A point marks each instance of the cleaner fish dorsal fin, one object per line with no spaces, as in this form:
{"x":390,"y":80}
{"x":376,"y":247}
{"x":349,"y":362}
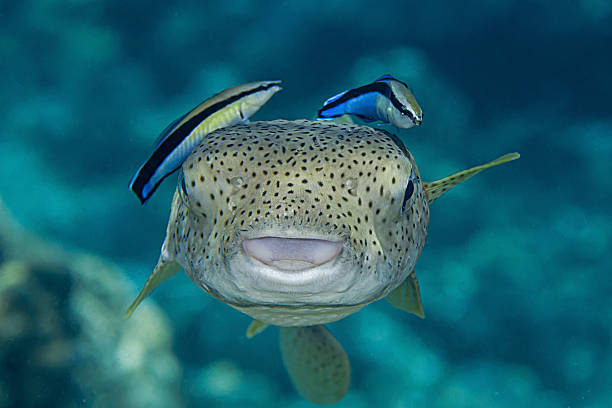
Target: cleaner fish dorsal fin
{"x":316,"y":362}
{"x":407,"y":296}
{"x":255,"y":328}
{"x":435,"y":189}
{"x":163,"y":270}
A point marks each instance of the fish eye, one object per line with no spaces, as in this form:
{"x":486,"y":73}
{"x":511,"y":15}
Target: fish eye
{"x":409,"y":194}
{"x":183,"y":189}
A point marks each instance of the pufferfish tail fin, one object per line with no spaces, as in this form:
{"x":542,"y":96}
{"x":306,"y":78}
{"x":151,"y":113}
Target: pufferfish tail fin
{"x":316,"y":362}
{"x":436,"y":188}
{"x":163,"y":270}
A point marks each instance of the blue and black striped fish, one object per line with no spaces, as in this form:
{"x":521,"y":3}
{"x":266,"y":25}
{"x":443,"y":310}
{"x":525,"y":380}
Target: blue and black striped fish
{"x":177,"y":141}
{"x":386,"y":99}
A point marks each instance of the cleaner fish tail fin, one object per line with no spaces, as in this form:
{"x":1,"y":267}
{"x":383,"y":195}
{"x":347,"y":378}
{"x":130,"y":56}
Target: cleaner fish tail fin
{"x":435,"y":189}
{"x":316,"y":362}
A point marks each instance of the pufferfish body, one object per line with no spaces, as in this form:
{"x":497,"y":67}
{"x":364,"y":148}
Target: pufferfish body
{"x":298,"y":224}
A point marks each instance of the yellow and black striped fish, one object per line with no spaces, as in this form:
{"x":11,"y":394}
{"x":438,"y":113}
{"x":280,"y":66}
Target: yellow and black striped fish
{"x":231,"y":106}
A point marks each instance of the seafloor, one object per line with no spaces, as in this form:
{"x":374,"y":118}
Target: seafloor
{"x":516,"y":273}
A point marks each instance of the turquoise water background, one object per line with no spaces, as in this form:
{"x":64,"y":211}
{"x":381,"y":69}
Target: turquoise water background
{"x":516,"y":272}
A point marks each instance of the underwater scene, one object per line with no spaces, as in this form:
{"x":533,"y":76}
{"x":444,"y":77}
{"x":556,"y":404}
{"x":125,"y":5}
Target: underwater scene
{"x":357,"y":203}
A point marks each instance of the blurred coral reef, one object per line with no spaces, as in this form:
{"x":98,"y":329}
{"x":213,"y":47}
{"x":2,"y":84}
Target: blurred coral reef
{"x":64,"y":341}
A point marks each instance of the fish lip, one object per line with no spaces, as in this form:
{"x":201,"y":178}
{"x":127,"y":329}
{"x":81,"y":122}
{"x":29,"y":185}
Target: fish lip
{"x":316,"y":252}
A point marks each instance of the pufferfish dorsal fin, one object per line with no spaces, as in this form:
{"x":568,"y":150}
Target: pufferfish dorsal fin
{"x":316,"y":362}
{"x":407,"y":296}
{"x":163,"y":270}
{"x":435,"y":189}
{"x":255,"y":328}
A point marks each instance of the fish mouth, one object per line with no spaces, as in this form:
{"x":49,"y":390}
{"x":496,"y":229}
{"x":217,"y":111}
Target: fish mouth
{"x":292,"y":254}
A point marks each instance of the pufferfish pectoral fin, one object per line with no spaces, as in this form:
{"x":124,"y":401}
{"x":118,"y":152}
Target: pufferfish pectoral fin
{"x":163,"y":270}
{"x":316,"y":362}
{"x":255,"y":328}
{"x":407,"y":296}
{"x":435,"y":189}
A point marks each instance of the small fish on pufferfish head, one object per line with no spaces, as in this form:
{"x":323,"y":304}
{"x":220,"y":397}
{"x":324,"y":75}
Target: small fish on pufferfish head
{"x":177,"y":140}
{"x":387,"y":99}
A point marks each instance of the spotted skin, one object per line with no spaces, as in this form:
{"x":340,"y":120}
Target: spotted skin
{"x":340,"y":182}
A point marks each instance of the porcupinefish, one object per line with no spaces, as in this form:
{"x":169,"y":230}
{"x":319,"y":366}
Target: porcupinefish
{"x":386,"y":99}
{"x":298,"y":224}
{"x":231,"y":106}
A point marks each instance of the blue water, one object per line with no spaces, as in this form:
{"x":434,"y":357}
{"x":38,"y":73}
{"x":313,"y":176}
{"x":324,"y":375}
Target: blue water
{"x":515,"y":275}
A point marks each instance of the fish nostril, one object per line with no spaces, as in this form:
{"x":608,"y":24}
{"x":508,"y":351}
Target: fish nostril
{"x":351,"y":186}
{"x":237,"y":181}
{"x":292,"y":254}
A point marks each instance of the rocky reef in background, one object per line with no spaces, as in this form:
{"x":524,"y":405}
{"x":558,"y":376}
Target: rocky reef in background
{"x":63,"y":340}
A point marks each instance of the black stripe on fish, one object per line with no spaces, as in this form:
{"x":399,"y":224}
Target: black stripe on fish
{"x":382,"y":88}
{"x":176,"y":137}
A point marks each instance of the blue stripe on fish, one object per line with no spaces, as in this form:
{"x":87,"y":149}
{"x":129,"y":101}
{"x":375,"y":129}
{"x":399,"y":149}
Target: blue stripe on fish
{"x":146,"y":180}
{"x":352,"y":101}
{"x":370,"y":90}
{"x":364,"y":98}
